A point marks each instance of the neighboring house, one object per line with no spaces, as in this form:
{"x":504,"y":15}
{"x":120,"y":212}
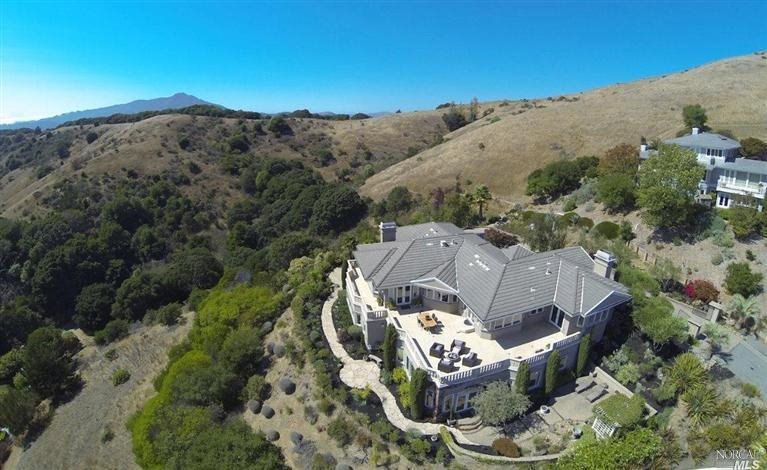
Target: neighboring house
{"x":469,"y":313}
{"x":728,"y":179}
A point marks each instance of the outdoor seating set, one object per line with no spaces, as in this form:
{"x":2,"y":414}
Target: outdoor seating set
{"x":453,"y":355}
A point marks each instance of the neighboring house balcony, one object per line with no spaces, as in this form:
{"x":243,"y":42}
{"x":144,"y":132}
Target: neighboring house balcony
{"x":742,"y":188}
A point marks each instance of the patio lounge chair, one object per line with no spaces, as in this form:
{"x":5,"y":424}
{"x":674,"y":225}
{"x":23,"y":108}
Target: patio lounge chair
{"x":445,"y":366}
{"x":437,"y":350}
{"x":457,"y":346}
{"x":596,"y":393}
{"x":470,"y":360}
{"x":584,"y":386}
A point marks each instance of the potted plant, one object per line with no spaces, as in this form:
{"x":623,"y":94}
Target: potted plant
{"x":379,"y":301}
{"x":391,"y":305}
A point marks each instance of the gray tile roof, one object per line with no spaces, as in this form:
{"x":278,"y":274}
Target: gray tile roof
{"x":707,"y":140}
{"x":490,"y":281}
{"x":429,"y":229}
{"x":745,"y":164}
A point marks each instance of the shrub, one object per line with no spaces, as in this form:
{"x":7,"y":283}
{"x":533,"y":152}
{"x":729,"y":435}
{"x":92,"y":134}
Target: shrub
{"x":741,"y":280}
{"x":717,"y":259}
{"x":183,"y":142}
{"x":113,"y":331}
{"x":279,"y":126}
{"x":585,"y":223}
{"x":664,"y":392}
{"x":399,"y":376}
{"x":506,"y":447}
{"x":166,"y":315}
{"x":628,"y":374}
{"x":499,"y":403}
{"x":750,"y":390}
{"x":745,"y":221}
{"x":569,"y":205}
{"x":607,"y":229}
{"x":701,"y":290}
{"x":120,"y":376}
{"x":91,"y":137}
{"x":341,"y":431}
{"x":256,"y":387}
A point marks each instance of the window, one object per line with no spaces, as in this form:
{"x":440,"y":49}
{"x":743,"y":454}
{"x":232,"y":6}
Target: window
{"x":580,"y":321}
{"x":444,"y":297}
{"x":454,"y":298}
{"x":448,"y":403}
{"x":399,"y":295}
{"x":556,"y":317}
{"x":498,"y":324}
{"x":460,"y":404}
{"x":714,"y":152}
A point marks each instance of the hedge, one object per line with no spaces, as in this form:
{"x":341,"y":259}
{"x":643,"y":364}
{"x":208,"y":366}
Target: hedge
{"x":607,"y":229}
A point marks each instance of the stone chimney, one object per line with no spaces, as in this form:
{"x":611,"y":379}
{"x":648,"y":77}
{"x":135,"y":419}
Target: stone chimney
{"x":695,"y":131}
{"x":604,"y":264}
{"x":388,"y":231}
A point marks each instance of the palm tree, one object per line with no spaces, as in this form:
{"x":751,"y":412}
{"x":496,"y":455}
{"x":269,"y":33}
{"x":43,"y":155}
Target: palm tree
{"x":741,"y":308}
{"x":480,"y":197}
{"x":716,"y":337}
{"x":701,"y":401}
{"x":686,"y":372}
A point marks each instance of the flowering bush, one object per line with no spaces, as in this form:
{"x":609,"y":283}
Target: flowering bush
{"x":702,"y":290}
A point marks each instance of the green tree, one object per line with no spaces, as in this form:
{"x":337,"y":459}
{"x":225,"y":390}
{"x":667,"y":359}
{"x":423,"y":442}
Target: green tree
{"x":399,"y":201}
{"x":93,"y":307}
{"x":668,"y":180}
{"x":390,"y":348}
{"x":583,"y":355}
{"x":616,"y":191}
{"x":499,"y":402}
{"x":48,"y":361}
{"x":553,"y":364}
{"x":545,"y":234}
{"x":654,"y":317}
{"x":666,"y":272}
{"x":418,"y":382}
{"x":522,"y":379}
{"x":337,"y":209}
{"x":457,"y":209}
{"x":745,"y":221}
{"x":694,"y":116}
{"x":480,"y":197}
{"x":753,"y":148}
{"x":741,"y":280}
{"x":17,"y":409}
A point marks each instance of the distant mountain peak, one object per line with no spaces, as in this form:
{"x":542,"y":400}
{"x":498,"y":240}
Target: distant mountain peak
{"x":176,"y":101}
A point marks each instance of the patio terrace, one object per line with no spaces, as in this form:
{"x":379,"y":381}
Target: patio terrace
{"x":529,"y":341}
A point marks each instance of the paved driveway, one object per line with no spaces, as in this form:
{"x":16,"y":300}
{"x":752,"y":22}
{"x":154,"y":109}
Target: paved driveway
{"x":748,"y":361}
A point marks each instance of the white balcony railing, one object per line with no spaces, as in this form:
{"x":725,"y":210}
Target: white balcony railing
{"x":757,"y":189}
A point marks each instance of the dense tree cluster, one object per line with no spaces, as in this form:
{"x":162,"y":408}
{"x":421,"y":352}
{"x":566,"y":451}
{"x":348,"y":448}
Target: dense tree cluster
{"x":560,"y":177}
{"x":89,"y":264}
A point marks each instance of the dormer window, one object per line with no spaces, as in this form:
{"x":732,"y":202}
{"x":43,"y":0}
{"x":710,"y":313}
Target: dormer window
{"x":714,"y":152}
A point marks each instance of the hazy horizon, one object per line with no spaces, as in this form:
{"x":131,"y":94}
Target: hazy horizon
{"x":343,"y":57}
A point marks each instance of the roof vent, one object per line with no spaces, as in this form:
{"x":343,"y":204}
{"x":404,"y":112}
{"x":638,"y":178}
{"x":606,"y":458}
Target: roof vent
{"x":548,"y":271}
{"x":444,"y":243}
{"x":532,"y":290}
{"x":695,"y":130}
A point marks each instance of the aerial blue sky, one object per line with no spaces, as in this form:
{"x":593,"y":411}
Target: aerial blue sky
{"x":350,"y":56}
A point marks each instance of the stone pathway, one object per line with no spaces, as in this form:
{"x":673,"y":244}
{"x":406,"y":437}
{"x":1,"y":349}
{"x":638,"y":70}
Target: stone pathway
{"x":360,"y":374}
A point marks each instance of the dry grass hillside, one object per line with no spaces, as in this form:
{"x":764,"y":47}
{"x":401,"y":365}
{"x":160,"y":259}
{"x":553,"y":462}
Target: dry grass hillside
{"x":518,"y":137}
{"x":338,"y":149}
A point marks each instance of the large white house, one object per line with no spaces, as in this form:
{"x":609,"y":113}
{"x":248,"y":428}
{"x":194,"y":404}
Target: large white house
{"x":729,"y":179}
{"x":469,"y":313}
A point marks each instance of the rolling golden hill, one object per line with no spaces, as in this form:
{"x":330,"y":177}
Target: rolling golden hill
{"x":501,"y":149}
{"x":338,"y":149}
